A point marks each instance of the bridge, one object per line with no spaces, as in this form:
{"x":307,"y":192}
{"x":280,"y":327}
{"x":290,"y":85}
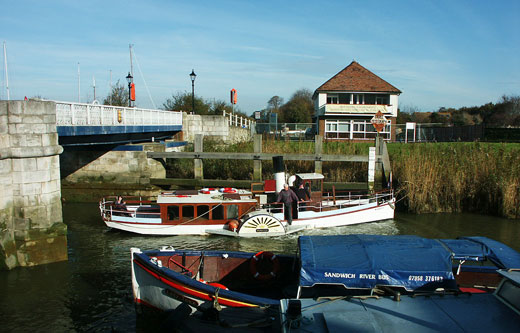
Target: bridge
{"x":89,"y":124}
{"x":46,"y":144}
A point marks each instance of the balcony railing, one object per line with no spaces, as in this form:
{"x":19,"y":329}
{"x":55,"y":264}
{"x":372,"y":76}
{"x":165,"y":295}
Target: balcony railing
{"x":354,"y":108}
{"x":81,"y":114}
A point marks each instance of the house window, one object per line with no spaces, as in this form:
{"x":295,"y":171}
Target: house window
{"x":332,"y":99}
{"x":380,"y":100}
{"x":331,"y":127}
{"x":358,"y":99}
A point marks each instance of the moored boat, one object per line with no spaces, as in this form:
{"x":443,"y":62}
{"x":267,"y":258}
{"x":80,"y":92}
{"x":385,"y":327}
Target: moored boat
{"x":245,"y":213}
{"x":326,"y":266}
{"x":468,"y":312}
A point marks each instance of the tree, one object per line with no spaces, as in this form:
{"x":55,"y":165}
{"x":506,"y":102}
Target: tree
{"x":298,"y":109}
{"x":118,"y":96}
{"x":182,"y":102}
{"x":274,"y":103}
{"x":406,"y":113}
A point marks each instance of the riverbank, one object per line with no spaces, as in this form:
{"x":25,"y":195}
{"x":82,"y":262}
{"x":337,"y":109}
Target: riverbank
{"x":428,"y":177}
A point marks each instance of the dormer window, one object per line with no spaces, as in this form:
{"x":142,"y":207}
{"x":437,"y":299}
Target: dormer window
{"x":332,"y":99}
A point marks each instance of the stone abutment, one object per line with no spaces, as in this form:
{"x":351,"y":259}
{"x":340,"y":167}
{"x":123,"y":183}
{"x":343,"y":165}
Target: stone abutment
{"x":32,"y":231}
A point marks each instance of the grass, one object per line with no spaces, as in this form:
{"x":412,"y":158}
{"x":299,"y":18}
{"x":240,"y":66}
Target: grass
{"x":455,"y":177}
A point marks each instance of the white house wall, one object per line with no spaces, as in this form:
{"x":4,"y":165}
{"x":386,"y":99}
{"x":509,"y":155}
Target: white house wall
{"x":394,"y":104}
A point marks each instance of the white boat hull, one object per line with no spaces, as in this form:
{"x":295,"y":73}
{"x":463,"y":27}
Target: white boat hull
{"x":369,"y":212}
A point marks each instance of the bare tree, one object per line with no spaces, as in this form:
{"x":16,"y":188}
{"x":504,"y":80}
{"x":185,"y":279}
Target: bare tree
{"x":118,"y":96}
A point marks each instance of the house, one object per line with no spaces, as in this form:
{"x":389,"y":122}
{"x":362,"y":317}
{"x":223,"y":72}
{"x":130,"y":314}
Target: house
{"x":345,"y":104}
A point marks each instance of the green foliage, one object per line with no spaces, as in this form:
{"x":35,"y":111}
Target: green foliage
{"x":298,"y":109}
{"x":182,"y":101}
{"x":502,"y":114}
{"x":118,"y":96}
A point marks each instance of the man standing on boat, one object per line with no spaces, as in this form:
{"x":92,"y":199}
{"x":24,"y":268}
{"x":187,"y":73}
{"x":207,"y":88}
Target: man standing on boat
{"x":303,"y":194}
{"x":287,"y":197}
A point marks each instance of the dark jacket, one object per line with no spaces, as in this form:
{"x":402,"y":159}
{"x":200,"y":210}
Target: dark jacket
{"x":303,"y":193}
{"x":287,"y":197}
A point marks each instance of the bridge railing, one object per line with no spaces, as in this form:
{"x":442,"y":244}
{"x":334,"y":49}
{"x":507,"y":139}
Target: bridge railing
{"x":81,"y":114}
{"x":238,"y":121}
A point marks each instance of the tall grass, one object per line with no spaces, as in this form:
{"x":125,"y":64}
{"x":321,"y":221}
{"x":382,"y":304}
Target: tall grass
{"x":455,"y":177}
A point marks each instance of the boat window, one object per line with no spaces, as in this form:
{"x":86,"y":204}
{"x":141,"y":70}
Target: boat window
{"x":232,"y":211}
{"x":316,"y":185}
{"x":188,"y":212}
{"x":218,"y":212}
{"x":510,"y":293}
{"x":203,"y":212}
{"x":173,"y":213}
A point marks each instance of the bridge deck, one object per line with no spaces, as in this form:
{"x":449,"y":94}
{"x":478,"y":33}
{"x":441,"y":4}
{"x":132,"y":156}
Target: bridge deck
{"x":77,"y":119}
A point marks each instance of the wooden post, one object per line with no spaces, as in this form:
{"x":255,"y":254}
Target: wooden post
{"x":371,"y":167}
{"x":257,"y":163}
{"x":198,"y":167}
{"x":318,"y":150}
{"x":378,"y":175}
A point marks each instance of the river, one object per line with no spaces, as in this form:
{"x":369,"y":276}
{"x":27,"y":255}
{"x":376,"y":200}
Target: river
{"x":92,"y":290}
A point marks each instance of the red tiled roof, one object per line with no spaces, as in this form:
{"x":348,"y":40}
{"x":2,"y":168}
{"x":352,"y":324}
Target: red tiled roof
{"x":355,"y":77}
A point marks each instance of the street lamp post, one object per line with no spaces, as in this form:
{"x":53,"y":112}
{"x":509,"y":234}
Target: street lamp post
{"x":129,"y":79}
{"x":192,"y":77}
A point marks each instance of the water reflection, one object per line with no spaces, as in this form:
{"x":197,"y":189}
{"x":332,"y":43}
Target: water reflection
{"x":92,"y":291}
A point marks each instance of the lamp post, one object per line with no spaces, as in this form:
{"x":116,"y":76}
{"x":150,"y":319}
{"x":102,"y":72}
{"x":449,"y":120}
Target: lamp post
{"x":129,"y":79}
{"x":192,"y":77}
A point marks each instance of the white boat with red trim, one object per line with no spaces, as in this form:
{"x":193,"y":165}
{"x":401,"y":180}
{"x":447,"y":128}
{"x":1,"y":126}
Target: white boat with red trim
{"x":246,"y":213}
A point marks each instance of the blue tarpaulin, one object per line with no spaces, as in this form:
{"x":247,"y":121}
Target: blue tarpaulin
{"x":412,"y":262}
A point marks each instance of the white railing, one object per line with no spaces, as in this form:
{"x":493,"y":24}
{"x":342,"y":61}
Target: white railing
{"x":238,"y":121}
{"x":81,"y":114}
{"x":356,"y":108}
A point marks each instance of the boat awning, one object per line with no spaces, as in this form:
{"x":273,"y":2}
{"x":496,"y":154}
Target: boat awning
{"x":484,"y":248}
{"x":366,"y":261}
{"x":313,"y":175}
{"x":412,"y":262}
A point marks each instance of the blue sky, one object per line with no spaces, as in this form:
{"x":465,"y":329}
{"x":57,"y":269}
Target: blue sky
{"x":438,"y":53}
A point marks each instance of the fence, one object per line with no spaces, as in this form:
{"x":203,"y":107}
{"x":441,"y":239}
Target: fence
{"x":238,"y":121}
{"x":444,"y":133}
{"x":81,"y":114}
{"x":290,"y":131}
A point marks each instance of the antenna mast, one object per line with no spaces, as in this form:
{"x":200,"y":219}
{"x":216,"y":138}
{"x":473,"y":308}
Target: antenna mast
{"x":94,"y":85}
{"x":110,"y":93}
{"x":131,"y":65}
{"x":79,"y":85}
{"x":6,"y":75}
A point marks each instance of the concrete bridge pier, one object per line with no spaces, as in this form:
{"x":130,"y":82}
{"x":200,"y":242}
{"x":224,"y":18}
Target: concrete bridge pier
{"x":32,"y":231}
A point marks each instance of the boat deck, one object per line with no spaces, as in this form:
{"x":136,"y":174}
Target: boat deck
{"x":436,"y":313}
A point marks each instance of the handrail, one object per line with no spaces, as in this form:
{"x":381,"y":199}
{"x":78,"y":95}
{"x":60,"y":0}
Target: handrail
{"x":82,"y":114}
{"x":238,"y":121}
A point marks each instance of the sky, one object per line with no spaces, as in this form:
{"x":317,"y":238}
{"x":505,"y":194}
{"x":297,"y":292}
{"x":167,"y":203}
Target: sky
{"x":440,"y":53}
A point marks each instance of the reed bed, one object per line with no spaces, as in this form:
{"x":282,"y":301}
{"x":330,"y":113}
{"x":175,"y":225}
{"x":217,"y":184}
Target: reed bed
{"x":455,"y":177}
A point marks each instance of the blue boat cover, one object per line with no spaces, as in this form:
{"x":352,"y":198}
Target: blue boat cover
{"x":412,"y":262}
